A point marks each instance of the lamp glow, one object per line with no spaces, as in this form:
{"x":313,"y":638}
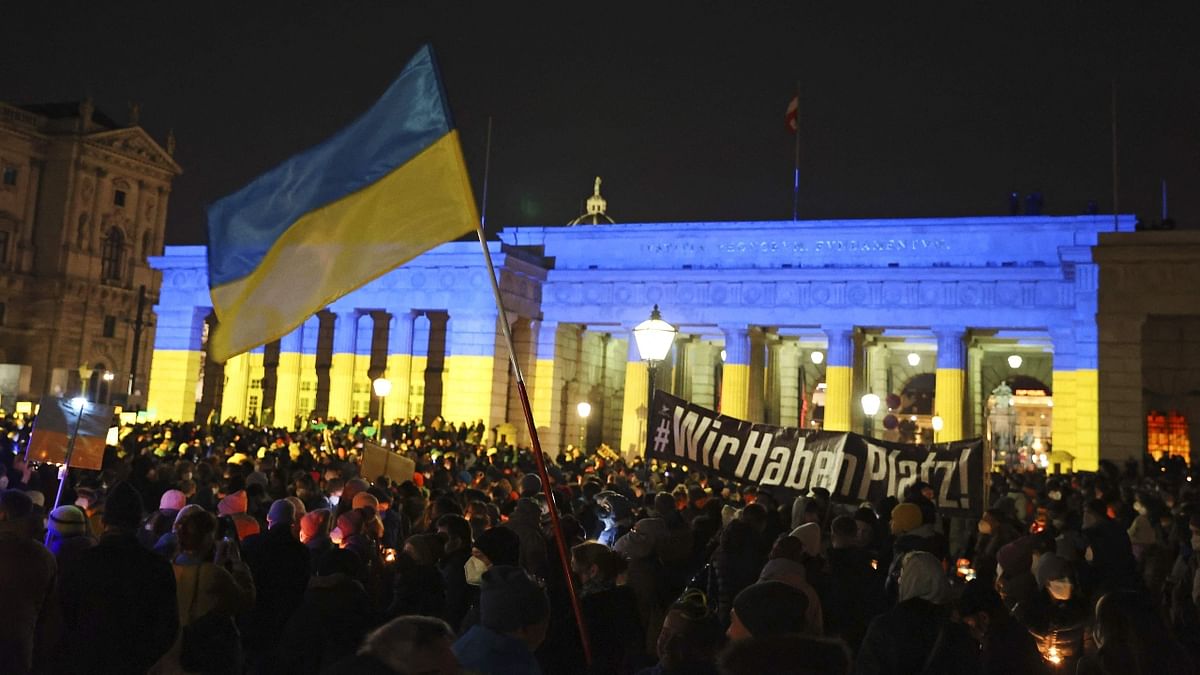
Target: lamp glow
{"x":1015,"y":361}
{"x":937,"y":422}
{"x":723,"y":355}
{"x":584,"y":409}
{"x":870,"y":404}
{"x":109,"y":375}
{"x":914,"y":359}
{"x":79,"y":402}
{"x":654,"y":337}
{"x":382,"y":386}
{"x":817,"y":357}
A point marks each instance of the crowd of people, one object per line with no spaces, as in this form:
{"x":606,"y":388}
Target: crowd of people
{"x":232,"y":549}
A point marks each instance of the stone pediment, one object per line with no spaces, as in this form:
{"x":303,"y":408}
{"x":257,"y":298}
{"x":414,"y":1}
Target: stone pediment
{"x":135,"y":143}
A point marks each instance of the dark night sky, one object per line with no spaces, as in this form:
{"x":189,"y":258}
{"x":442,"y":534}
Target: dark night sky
{"x":908,"y":109}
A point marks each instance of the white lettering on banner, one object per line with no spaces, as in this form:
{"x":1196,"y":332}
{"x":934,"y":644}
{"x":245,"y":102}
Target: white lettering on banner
{"x":728,"y":444}
{"x":947,"y":470}
{"x":875,"y":470}
{"x":755,"y":451}
{"x":908,"y":477}
{"x":689,"y":427}
{"x":777,"y":467}
{"x":849,"y":466}
{"x":927,"y":466}
{"x":892,"y":477}
{"x":713,"y":433}
{"x":964,"y":479}
{"x":802,"y":461}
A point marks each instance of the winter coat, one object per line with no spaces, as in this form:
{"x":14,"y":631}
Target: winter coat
{"x":855,"y":594}
{"x":27,"y":572}
{"x":328,"y":626}
{"x":903,"y":641}
{"x":120,"y":608}
{"x":280,"y":564}
{"x":615,"y":629}
{"x":487,"y":652}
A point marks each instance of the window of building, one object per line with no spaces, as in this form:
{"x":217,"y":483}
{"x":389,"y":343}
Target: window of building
{"x":256,"y":383}
{"x":112,"y":255}
{"x":10,"y":176}
{"x":119,"y":197}
{"x":2,"y":311}
{"x":110,"y":326}
{"x":3,"y":247}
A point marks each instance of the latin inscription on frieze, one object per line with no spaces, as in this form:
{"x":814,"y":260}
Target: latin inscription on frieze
{"x":797,"y":247}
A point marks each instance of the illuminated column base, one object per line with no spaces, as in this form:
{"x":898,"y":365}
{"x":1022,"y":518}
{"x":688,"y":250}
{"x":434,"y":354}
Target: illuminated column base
{"x":468,"y":393}
{"x":233,"y":398}
{"x":287,"y":388}
{"x":735,"y":390}
{"x":399,"y":373}
{"x":341,"y":386}
{"x":633,"y":425}
{"x":544,"y":403}
{"x":1063,"y":418}
{"x":838,"y":392}
{"x":1087,"y":420}
{"x":174,"y":374}
{"x":948,"y":394}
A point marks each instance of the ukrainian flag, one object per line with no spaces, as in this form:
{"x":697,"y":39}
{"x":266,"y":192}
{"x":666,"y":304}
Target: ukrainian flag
{"x":380,"y":192}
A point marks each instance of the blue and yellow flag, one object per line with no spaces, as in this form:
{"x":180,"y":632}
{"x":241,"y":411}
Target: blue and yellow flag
{"x":380,"y":192}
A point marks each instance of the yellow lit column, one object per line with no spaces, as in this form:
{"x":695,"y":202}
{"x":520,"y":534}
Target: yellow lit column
{"x":735,"y":372}
{"x":399,"y":365}
{"x":341,"y":368}
{"x":543,"y":385}
{"x":175,"y":363}
{"x":633,"y":412}
{"x":839,"y":388}
{"x":471,"y":351}
{"x":1075,"y":422}
{"x":287,"y":378}
{"x":950,"y":381}
{"x":233,"y":397}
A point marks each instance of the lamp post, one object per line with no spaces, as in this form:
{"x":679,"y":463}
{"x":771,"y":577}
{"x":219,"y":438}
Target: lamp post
{"x":85,"y":378}
{"x":108,"y":378}
{"x":382,"y":387}
{"x":654,"y":338}
{"x":870,"y":406}
{"x":937,"y":423}
{"x":584,"y":409}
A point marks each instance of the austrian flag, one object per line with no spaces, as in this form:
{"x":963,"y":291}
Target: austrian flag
{"x":792,"y":118}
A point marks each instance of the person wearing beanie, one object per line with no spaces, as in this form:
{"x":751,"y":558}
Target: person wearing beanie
{"x":314,"y":534}
{"x":531,"y":485}
{"x":906,"y":517}
{"x":311,"y":642}
{"x":768,"y":608}
{"x":27,"y":572}
{"x":167,"y":545}
{"x":809,"y":535}
{"x":1056,"y":615}
{"x":234,"y":503}
{"x":525,"y":520}
{"x":902,"y":640}
{"x":1014,"y":572}
{"x":497,"y":546}
{"x":160,"y":522}
{"x":1005,"y":645}
{"x":794,"y":574}
{"x":67,"y":528}
{"x":118,"y":589}
{"x":172,"y":500}
{"x":513,"y":619}
{"x":280,"y":565}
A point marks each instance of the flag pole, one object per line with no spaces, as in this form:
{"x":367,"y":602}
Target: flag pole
{"x":65,"y":472}
{"x":538,"y":456}
{"x":796,"y":165}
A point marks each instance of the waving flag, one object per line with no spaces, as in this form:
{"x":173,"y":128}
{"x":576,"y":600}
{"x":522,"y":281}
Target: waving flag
{"x":380,"y":192}
{"x":57,"y":420}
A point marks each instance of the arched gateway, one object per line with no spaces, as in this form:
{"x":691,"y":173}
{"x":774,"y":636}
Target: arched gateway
{"x":780,"y":322}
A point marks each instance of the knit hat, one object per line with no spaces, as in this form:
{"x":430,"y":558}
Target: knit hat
{"x":281,"y":513}
{"x":1016,"y":557}
{"x":906,"y":517}
{"x":510,"y":599}
{"x":771,"y":608}
{"x":501,"y":545}
{"x":246,"y":526}
{"x":68,"y":521}
{"x":349,"y":523}
{"x":190,"y":508}
{"x":786,"y":571}
{"x":172,"y":500}
{"x":257,"y":478}
{"x":234,"y":503}
{"x":123,"y":506}
{"x":15,"y":503}
{"x":1051,"y":567}
{"x":314,"y":523}
{"x":363,"y":499}
{"x":36,"y":497}
{"x":921,"y":576}
{"x":531,"y":482}
{"x":352,"y":488}
{"x":298,"y":505}
{"x":809,"y":535}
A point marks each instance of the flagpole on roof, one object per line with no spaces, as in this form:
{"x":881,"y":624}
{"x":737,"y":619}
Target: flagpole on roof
{"x":796,"y":165}
{"x":538,"y":456}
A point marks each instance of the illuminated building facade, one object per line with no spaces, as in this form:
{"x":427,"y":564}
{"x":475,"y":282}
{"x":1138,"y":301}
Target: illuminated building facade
{"x":771,"y":315}
{"x":83,"y":205}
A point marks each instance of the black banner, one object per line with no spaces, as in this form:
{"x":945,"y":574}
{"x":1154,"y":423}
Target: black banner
{"x":789,"y":460}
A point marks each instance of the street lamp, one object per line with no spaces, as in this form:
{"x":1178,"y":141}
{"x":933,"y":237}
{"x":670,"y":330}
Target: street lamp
{"x":817,"y":357}
{"x":937,"y":423}
{"x":870,"y":406}
{"x":382,"y":387}
{"x":914,"y":359}
{"x":1015,"y":361}
{"x":584,"y":409}
{"x":654,"y":338}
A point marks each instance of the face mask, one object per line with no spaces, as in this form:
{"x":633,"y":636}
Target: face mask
{"x":1060,"y":589}
{"x":1055,"y":495}
{"x":1087,"y":555}
{"x":1139,"y":507}
{"x":985,"y":527}
{"x":474,"y":570}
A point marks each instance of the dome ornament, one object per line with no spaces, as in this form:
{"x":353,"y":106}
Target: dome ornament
{"x":596,"y":209}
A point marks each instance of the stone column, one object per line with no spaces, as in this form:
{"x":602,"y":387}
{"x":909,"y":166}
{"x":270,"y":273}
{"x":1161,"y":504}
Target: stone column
{"x":341,"y":368}
{"x":787,"y":373}
{"x":176,"y":362}
{"x":839,"y":388}
{"x":287,"y":378}
{"x":950,"y":381}
{"x":735,"y":372}
{"x":633,"y":415}
{"x":237,"y":380}
{"x":399,"y":365}
{"x":473,"y":350}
